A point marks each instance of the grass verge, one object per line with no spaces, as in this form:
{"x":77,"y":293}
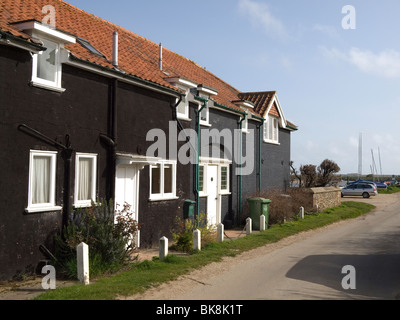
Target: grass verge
{"x":390,"y":189}
{"x":147,"y":274}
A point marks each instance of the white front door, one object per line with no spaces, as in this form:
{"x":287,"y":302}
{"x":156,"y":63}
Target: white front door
{"x":212,"y":190}
{"x":127,"y":191}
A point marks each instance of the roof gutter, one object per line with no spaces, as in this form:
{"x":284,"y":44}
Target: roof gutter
{"x":121,"y":75}
{"x":292,"y":127}
{"x":197,"y":165}
{"x":260,"y":138}
{"x":18,"y":42}
{"x":221,"y":106}
{"x":240,"y":161}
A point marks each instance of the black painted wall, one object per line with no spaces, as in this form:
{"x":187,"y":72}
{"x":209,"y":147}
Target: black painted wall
{"x":83,"y":112}
{"x":140,"y":110}
{"x":80,"y":112}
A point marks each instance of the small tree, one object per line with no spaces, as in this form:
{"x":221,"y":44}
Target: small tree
{"x":309,"y":175}
{"x":326,"y":172}
{"x":295,"y":173}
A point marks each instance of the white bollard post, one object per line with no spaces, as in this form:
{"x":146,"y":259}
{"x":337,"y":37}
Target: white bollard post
{"x":262,"y":223}
{"x":301,"y":212}
{"x":248,"y":226}
{"x":82,"y":252}
{"x":197,"y":239}
{"x":220,"y":233}
{"x":163,"y":248}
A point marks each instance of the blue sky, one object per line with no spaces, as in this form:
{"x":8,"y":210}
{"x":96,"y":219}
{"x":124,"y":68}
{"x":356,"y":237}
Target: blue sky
{"x":334,"y":83}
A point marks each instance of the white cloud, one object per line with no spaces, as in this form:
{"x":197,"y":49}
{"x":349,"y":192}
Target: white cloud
{"x":384,"y":64}
{"x":353,"y":142}
{"x":327,"y":30}
{"x":261,"y":16}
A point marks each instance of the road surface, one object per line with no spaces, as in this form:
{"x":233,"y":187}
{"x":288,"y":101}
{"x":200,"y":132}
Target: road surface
{"x":309,"y":266}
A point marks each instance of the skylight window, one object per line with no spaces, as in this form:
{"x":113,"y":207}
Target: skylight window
{"x":86,"y":44}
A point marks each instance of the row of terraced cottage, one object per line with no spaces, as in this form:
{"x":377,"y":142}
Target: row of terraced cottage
{"x":92,"y":111}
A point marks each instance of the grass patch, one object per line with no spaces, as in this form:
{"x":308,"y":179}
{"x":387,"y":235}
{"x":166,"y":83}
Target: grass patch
{"x":390,"y":189}
{"x":147,"y":274}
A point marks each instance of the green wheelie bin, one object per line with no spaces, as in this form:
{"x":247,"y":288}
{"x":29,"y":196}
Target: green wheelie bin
{"x":258,"y":207}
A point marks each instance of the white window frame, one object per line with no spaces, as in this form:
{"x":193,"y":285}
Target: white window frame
{"x":203,"y":193}
{"x":87,"y":202}
{"x":43,"y":31}
{"x":163,"y":195}
{"x":207,"y":121}
{"x":227,"y":190}
{"x":275,"y":131}
{"x":185,"y":103}
{"x":43,"y":83}
{"x":51,"y":205}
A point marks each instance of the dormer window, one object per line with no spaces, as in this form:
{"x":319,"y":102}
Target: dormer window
{"x":245,"y":106}
{"x":46,"y":65}
{"x":271,"y":130}
{"x":185,"y":85}
{"x":204,"y":116}
{"x":205,"y":93}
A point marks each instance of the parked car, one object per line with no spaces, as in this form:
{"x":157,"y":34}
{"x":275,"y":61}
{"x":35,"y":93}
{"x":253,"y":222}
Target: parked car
{"x":363,"y":189}
{"x":379,"y":185}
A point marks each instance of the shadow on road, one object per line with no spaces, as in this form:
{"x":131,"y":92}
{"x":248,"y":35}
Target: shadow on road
{"x":377,"y":271}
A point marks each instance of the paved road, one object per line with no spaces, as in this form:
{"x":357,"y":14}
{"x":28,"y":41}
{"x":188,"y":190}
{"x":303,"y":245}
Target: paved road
{"x":312,"y":268}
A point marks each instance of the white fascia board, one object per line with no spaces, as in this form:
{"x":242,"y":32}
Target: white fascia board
{"x":181,"y":81}
{"x":206,"y":160}
{"x":244,"y":104}
{"x":280,"y":111}
{"x":129,"y":159}
{"x":35,"y":26}
{"x":248,"y":105}
{"x":207,"y":90}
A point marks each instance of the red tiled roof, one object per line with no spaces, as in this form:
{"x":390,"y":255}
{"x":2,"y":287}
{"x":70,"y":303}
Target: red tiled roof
{"x":138,"y":56}
{"x":261,"y":101}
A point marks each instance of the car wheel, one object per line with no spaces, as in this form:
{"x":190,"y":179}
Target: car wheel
{"x":366,"y":195}
{"x":342,"y":195}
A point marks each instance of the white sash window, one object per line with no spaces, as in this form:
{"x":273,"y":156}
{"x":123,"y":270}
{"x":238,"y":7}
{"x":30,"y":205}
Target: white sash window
{"x":85,"y":179}
{"x":42,"y":181}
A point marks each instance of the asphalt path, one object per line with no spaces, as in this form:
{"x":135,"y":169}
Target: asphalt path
{"x":312,"y":268}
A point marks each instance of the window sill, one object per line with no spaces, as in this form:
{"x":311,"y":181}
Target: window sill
{"x":83,"y":205}
{"x":46,"y":86}
{"x":272,"y":142}
{"x":183,"y":117}
{"x":43,"y":209}
{"x":225,"y":193}
{"x":163,"y":199}
{"x":204,"y":124}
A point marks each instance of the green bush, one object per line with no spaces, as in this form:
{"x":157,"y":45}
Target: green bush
{"x":182,"y":232}
{"x":108,"y":234}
